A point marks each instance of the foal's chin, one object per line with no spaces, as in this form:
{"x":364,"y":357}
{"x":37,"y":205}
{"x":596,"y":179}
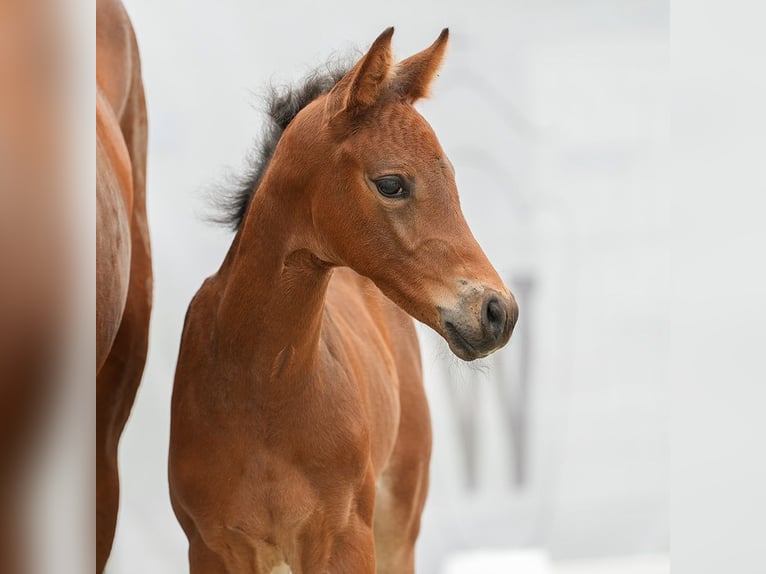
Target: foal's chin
{"x":461,"y":348}
{"x":464,"y":352}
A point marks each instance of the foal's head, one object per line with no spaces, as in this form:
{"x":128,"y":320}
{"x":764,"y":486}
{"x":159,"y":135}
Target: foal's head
{"x":383,"y":199}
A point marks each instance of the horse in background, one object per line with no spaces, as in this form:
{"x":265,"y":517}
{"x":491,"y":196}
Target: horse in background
{"x":300,"y":431}
{"x":123,"y":255}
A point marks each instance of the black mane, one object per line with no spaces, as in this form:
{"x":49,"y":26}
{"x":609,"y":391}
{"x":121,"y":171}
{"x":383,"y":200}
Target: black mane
{"x":282,"y":105}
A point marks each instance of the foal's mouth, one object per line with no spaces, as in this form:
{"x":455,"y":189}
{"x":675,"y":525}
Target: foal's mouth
{"x":459,"y":345}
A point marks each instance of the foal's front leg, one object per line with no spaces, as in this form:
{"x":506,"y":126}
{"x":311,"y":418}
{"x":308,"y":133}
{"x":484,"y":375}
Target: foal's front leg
{"x":348,"y":551}
{"x":353,"y":551}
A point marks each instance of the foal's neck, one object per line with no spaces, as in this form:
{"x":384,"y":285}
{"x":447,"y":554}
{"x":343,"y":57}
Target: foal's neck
{"x":273,"y":300}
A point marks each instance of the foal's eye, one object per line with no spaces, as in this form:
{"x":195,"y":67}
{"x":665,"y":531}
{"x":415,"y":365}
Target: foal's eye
{"x":391,"y":186}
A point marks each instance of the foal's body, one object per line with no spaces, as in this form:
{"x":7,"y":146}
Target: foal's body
{"x":317,"y":437}
{"x":300,"y":431}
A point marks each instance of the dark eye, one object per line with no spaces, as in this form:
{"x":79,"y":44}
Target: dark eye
{"x":391,"y":186}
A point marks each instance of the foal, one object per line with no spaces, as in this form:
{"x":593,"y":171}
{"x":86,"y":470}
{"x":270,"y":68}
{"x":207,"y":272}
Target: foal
{"x":300,"y":432}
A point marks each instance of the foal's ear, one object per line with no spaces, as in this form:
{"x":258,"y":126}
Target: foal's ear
{"x":362,"y":84}
{"x":415,"y":74}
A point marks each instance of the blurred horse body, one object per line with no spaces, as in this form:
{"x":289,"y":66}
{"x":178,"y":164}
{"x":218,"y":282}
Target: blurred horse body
{"x":300,"y":431}
{"x":123,"y":256}
{"x":36,"y":258}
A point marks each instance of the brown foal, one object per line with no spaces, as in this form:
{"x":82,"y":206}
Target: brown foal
{"x":300,"y":433}
{"x":123,"y":258}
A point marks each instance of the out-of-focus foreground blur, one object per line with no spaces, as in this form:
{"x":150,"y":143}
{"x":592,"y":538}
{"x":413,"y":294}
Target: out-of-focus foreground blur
{"x":30,"y":240}
{"x":555,"y":116}
{"x":39,"y":344}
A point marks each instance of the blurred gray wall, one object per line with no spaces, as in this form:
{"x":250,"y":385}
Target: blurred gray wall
{"x":554,"y":114}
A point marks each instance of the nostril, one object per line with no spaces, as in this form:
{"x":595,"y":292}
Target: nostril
{"x":494,"y":315}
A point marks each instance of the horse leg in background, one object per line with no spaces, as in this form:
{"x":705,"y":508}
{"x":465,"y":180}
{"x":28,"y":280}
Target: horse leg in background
{"x":116,"y":387}
{"x":118,"y":379}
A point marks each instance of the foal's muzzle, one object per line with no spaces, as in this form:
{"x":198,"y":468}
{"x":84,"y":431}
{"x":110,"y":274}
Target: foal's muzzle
{"x":480,"y":324}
